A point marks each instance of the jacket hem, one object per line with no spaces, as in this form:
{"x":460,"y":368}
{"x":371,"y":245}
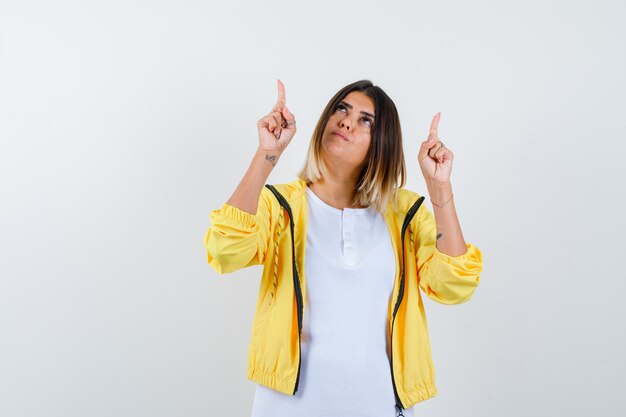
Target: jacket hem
{"x":419,"y":394}
{"x":284,"y":385}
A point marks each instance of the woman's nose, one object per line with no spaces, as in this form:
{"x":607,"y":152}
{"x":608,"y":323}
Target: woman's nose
{"x":346,"y":122}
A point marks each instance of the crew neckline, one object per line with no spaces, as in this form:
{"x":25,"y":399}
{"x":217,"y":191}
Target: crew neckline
{"x":355,"y":211}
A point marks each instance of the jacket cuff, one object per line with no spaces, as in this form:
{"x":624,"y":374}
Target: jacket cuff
{"x":243,"y":218}
{"x":472,"y":254}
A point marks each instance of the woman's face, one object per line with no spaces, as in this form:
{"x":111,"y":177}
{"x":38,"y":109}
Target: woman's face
{"x":347,"y":135}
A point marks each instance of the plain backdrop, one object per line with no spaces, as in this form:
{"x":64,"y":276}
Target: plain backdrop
{"x":124,"y":123}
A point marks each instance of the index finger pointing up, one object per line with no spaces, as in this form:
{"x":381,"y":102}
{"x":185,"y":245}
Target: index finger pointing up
{"x":280,"y":103}
{"x":434,"y":127}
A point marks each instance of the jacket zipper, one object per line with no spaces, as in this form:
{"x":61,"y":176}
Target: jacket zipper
{"x":296,"y":277}
{"x":407,"y":220}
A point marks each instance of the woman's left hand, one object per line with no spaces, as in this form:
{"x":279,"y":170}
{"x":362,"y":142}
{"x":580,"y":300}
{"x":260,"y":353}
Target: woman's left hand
{"x":434,"y":158}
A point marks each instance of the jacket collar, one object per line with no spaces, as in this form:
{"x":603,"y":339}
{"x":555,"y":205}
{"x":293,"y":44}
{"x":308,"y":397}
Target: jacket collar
{"x":296,"y":190}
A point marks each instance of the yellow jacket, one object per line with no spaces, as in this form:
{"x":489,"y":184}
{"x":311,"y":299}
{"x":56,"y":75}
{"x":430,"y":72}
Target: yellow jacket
{"x":275,"y":237}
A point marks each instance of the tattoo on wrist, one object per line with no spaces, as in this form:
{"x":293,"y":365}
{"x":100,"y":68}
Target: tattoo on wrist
{"x":438,"y":236}
{"x":271,"y":158}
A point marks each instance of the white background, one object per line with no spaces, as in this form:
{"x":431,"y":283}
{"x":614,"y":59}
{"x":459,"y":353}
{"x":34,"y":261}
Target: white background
{"x":123,"y":124}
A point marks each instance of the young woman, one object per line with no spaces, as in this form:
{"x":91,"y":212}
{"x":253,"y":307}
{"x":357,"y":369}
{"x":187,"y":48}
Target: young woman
{"x":339,"y":326}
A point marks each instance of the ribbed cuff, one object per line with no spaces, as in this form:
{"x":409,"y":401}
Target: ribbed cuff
{"x":472,"y":254}
{"x":245,"y":219}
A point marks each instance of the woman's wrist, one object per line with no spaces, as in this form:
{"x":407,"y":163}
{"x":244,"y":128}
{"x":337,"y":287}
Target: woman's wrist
{"x":270,"y":157}
{"x":440,"y":193}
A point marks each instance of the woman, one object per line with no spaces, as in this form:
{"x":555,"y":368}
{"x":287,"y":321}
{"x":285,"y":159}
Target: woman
{"x":345,"y":332}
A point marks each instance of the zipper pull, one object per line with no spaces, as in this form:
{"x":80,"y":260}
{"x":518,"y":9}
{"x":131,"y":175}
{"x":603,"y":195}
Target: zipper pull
{"x":399,"y":411}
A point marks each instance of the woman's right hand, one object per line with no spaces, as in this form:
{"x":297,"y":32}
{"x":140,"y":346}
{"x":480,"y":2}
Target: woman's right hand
{"x":278,"y":127}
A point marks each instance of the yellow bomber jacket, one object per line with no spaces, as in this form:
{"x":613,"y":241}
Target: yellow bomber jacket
{"x":275,"y":237}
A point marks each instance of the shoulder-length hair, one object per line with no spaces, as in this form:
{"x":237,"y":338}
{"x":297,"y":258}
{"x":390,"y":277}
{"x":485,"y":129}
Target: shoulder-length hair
{"x":383,"y":170}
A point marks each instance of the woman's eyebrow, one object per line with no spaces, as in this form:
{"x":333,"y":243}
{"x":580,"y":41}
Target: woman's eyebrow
{"x":363,"y":112}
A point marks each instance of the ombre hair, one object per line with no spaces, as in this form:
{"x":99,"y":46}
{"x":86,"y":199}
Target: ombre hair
{"x":383,"y":170}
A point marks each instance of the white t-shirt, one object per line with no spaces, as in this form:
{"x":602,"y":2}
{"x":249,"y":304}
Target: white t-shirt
{"x":349,"y":269}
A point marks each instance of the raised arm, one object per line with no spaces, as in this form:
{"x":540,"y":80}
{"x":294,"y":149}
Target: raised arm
{"x":276,"y":130}
{"x":240,"y":230}
{"x":448,"y":267}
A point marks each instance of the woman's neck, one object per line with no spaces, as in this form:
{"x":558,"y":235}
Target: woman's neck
{"x":336,"y":192}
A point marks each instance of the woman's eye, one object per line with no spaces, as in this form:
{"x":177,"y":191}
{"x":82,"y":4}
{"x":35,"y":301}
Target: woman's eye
{"x":341,"y":107}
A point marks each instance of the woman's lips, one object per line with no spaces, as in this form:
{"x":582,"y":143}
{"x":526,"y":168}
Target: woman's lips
{"x":340,"y":135}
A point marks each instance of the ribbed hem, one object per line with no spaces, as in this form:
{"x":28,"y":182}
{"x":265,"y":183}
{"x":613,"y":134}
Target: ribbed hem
{"x":284,"y":385}
{"x":419,"y":394}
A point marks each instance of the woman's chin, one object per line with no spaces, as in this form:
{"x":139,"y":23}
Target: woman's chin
{"x":334,"y":153}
